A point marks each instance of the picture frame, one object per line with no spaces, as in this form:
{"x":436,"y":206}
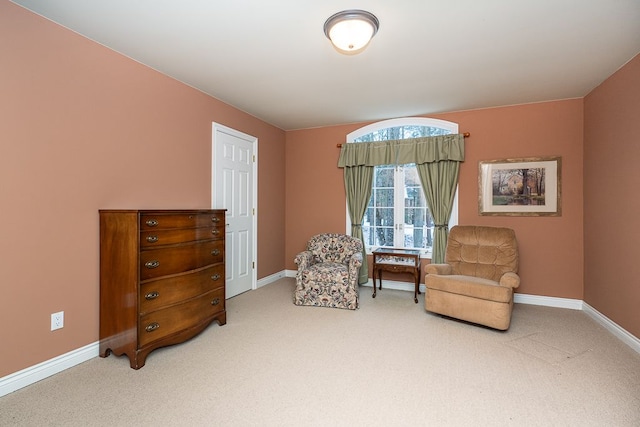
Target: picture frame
{"x":502,"y":189}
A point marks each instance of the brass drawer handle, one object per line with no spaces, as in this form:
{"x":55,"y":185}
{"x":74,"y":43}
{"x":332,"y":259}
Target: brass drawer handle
{"x":152,"y":295}
{"x":152,"y":239}
{"x":215,"y":219}
{"x":152,"y":264}
{"x":215,"y":277}
{"x":215,"y":232}
{"x":152,"y":222}
{"x":152,"y":327}
{"x":216,"y":301}
{"x":215,"y":252}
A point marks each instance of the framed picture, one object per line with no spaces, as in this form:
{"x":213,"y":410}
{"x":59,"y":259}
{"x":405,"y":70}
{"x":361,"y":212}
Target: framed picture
{"x":520,"y":187}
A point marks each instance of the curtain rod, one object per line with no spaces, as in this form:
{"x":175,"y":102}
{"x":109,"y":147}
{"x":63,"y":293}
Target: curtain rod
{"x":466,"y":135}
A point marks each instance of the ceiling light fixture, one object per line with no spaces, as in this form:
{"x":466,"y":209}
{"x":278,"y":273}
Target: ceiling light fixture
{"x":351,"y":30}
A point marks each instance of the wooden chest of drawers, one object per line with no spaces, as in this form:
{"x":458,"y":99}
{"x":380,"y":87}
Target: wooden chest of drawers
{"x":162,"y":278}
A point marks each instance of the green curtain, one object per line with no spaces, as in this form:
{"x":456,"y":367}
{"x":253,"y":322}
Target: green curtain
{"x":402,"y":151}
{"x":357,"y":183}
{"x":439,"y":181}
{"x":437,"y":160}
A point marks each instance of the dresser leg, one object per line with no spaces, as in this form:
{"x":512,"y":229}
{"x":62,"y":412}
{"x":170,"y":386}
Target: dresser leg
{"x":222,"y":319}
{"x":139,"y":359}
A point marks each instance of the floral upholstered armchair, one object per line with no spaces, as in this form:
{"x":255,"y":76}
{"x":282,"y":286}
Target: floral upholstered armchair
{"x":328,"y":272}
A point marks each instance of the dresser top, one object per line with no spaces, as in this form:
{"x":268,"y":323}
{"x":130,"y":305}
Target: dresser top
{"x":160,"y":211}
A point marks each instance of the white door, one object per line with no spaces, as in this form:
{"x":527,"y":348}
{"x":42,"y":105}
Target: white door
{"x":234,"y":189}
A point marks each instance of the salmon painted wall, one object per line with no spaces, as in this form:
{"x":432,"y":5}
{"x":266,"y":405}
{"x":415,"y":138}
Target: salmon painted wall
{"x":612,"y":174}
{"x":551,"y":248}
{"x":83,"y":128}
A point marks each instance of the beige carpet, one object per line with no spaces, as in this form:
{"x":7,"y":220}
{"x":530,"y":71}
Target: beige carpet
{"x":388,"y":363}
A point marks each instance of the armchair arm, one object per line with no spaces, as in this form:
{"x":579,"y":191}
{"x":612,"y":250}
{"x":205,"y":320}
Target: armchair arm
{"x":354,"y":263}
{"x":443,"y":269}
{"x":304,"y":259}
{"x":510,"y":280}
{"x":355,"y":260}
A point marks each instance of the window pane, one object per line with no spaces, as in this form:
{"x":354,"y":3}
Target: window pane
{"x":418,"y":237}
{"x":367,"y":237}
{"x":368,"y":219}
{"x":409,"y":238}
{"x":383,"y":176}
{"x":383,"y":217}
{"x":378,"y":217}
{"x":414,"y":197}
{"x":415,"y":217}
{"x":384,"y":197}
{"x":402,"y":132}
{"x":382,"y":236}
{"x":411,"y":177}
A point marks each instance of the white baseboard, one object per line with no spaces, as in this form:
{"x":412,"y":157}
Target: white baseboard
{"x":612,"y":327}
{"x":33,"y":374}
{"x":270,"y":279}
{"x":573,"y":304}
{"x":38,"y":372}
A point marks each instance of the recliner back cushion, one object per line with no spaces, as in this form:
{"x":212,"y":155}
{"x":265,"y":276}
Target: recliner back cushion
{"x":332,"y":247}
{"x":486,"y":252}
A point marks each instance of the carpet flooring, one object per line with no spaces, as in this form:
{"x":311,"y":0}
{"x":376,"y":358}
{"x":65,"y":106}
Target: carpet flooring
{"x":390,"y":363}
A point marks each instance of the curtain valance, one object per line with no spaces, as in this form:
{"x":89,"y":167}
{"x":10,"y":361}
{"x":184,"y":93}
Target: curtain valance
{"x":428,"y":149}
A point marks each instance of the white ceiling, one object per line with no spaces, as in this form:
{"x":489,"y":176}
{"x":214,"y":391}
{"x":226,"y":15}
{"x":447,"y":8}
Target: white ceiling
{"x":272,"y":60}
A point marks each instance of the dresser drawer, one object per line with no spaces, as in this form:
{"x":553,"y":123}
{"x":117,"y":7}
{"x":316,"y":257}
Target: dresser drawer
{"x":178,"y":259}
{"x":169,"y":237}
{"x":161,"y":323}
{"x":157,"y":221}
{"x":160,"y":293}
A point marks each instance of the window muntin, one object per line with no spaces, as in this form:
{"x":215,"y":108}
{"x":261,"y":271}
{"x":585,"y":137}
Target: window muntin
{"x":397,"y":214}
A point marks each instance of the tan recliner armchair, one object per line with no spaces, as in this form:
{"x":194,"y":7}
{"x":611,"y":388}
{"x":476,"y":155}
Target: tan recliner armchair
{"x":476,"y":284}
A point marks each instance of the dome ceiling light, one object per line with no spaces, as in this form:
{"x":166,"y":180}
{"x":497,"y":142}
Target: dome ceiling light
{"x":351,"y":30}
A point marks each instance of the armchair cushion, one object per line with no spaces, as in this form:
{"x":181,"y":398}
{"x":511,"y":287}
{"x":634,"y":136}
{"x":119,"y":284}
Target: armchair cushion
{"x":476,"y":287}
{"x":331,"y":247}
{"x":487,"y":252}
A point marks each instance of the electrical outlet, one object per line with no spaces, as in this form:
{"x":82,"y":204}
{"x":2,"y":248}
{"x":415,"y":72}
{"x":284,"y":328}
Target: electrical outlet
{"x":57,"y":320}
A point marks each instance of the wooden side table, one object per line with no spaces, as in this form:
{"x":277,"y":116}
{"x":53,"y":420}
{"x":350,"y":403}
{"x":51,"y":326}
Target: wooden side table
{"x":396,"y":261}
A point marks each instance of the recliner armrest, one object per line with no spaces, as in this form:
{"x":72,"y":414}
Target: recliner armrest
{"x":510,"y":280}
{"x":442,"y":269}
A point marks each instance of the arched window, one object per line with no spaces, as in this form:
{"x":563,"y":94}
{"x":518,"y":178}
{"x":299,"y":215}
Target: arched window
{"x":397,"y":214}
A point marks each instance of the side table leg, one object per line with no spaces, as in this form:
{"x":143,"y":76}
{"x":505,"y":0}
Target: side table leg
{"x":373,"y":295}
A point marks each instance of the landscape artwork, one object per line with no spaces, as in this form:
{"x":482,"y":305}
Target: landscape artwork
{"x":520,"y":187}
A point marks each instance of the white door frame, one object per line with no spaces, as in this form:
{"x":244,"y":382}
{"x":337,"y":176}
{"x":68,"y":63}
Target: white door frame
{"x":254,"y":224}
